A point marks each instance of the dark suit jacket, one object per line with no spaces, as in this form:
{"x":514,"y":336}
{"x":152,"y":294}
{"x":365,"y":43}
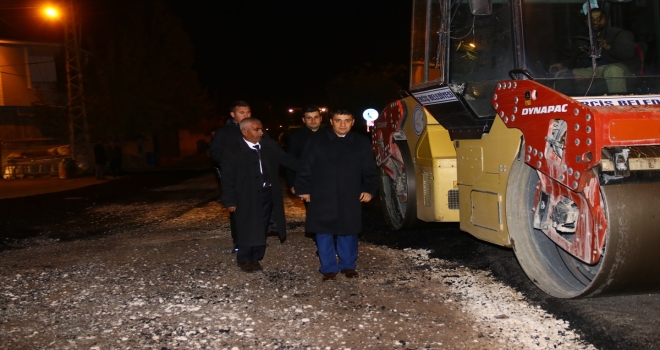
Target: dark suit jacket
{"x":334,"y":171}
{"x":242,"y":186}
{"x":297,"y":141}
{"x":224,"y":136}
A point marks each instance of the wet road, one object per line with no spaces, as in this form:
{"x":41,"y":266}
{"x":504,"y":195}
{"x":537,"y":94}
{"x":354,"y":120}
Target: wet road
{"x":624,"y":322}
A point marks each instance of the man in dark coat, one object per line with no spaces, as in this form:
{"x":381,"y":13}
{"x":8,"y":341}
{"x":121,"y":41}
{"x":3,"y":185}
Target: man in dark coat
{"x":251,"y":190}
{"x":298,"y":138}
{"x":337,"y":173}
{"x":229,"y":134}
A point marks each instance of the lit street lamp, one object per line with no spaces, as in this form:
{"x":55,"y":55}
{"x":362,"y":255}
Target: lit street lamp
{"x":78,"y":130}
{"x":51,"y":12}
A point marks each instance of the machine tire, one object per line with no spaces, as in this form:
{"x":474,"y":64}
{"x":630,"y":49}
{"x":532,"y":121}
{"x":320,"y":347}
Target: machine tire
{"x":628,"y":263}
{"x":399,"y":215}
{"x":552,"y":269}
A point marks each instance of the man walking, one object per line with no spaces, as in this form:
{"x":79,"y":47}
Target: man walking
{"x":298,"y":138}
{"x":337,"y":173}
{"x":297,"y":141}
{"x":251,"y":190}
{"x":229,"y":134}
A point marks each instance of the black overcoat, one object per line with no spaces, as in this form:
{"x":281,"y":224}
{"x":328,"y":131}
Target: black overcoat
{"x":242,"y":186}
{"x":334,"y":171}
{"x":226,"y":135}
{"x":297,"y":141}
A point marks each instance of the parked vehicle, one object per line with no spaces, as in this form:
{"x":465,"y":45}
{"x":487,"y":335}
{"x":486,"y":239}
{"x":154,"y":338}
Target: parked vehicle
{"x":557,"y":166}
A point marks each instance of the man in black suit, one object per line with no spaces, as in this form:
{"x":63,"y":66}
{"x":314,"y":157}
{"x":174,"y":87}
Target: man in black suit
{"x":251,"y":190}
{"x":224,"y":136}
{"x":312,"y":122}
{"x":337,"y":174}
{"x":298,"y":138}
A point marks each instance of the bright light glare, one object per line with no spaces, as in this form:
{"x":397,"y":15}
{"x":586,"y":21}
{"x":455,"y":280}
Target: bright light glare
{"x":290,"y":110}
{"x":51,"y":12}
{"x":471,"y":45}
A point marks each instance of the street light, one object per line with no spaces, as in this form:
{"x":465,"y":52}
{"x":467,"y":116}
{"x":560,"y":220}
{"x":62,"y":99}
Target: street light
{"x":51,"y":12}
{"x":78,"y":130}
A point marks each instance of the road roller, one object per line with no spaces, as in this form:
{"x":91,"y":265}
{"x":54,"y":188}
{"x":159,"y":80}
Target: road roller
{"x":535,"y":124}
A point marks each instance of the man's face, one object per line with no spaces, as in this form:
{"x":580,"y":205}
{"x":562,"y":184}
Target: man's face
{"x":312,"y":120}
{"x":342,"y":123}
{"x":240,"y":113}
{"x":598,"y":21}
{"x":254,"y":132}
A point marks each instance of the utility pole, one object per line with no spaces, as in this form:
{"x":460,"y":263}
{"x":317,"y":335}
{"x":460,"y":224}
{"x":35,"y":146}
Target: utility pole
{"x":78,"y":130}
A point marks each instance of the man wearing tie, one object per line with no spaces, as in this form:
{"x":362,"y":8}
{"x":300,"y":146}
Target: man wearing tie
{"x":251,"y":190}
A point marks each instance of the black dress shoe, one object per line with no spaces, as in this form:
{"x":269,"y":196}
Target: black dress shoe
{"x":350,"y":273}
{"x":246,"y":267}
{"x":330,"y":276}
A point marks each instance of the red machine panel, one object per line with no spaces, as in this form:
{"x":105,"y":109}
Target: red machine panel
{"x":389,"y":122}
{"x":563,"y":142}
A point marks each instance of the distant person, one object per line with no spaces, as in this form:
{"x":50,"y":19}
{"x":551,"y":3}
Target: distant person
{"x":226,"y":135}
{"x":337,"y":173}
{"x":618,"y":56}
{"x":100,"y":159}
{"x":251,"y":190}
{"x":114,"y":156}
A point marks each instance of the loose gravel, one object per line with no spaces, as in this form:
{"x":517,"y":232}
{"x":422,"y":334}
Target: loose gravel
{"x":172,"y":284}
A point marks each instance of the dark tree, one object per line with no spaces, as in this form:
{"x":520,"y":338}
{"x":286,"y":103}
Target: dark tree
{"x":142,"y":78}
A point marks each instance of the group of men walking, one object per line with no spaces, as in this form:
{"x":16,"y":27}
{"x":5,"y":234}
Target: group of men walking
{"x":331,"y":169}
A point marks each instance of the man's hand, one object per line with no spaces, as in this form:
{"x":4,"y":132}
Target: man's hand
{"x":365,"y":197}
{"x":293,"y":190}
{"x":603,"y":43}
{"x":232,"y":209}
{"x":305,"y":197}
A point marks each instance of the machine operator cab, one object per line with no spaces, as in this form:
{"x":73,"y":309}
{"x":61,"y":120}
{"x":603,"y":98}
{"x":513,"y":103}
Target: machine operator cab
{"x":470,"y":45}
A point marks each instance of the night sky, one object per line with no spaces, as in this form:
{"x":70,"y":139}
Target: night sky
{"x":268,"y":52}
{"x":286,"y":52}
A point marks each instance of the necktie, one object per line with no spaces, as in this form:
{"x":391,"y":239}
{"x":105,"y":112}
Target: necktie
{"x":263,"y":168}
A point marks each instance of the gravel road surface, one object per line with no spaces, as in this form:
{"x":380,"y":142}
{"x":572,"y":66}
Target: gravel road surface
{"x":144,"y":262}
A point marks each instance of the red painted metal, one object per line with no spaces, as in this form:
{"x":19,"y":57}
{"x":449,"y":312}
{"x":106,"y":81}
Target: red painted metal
{"x":385,"y":149}
{"x":536,"y":109}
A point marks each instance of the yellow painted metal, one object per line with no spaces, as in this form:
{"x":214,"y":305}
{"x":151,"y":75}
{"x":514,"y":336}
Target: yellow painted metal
{"x":435,"y":143}
{"x":483,"y":167}
{"x":487,"y":210}
{"x":409,"y":128}
{"x":435,"y":173}
{"x":434,"y":184}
